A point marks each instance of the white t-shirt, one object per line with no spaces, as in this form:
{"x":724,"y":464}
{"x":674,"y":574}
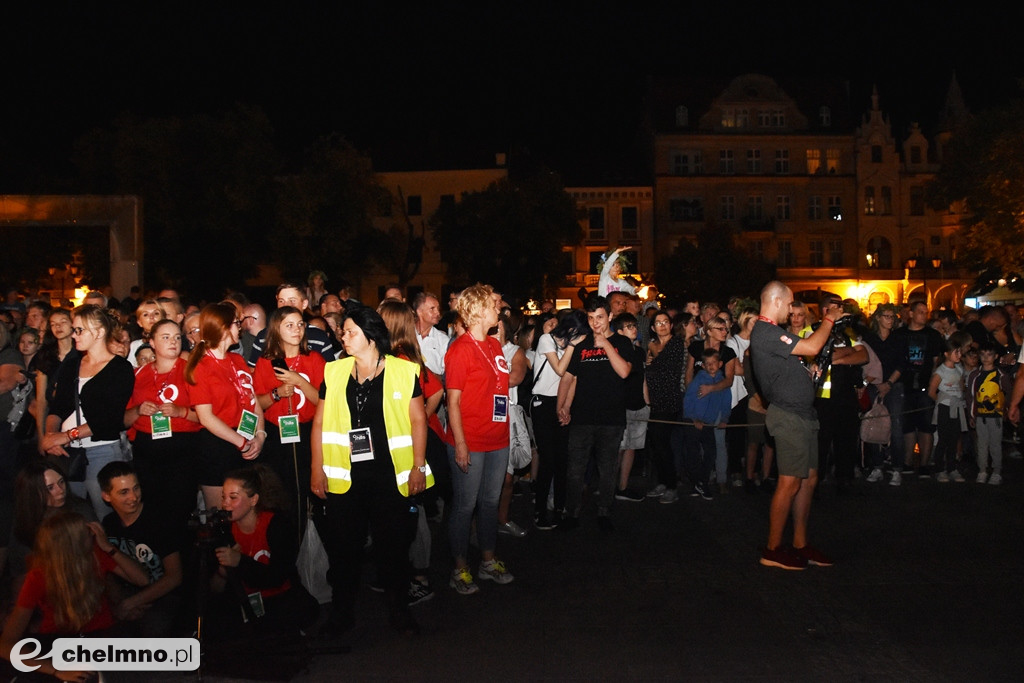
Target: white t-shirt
{"x":545,"y":379}
{"x":740,"y":346}
{"x":432,"y":348}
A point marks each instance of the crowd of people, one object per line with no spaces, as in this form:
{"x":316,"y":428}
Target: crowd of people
{"x":133,"y":427}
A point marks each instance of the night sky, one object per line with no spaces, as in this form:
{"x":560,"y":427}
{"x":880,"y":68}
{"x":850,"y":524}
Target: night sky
{"x":558,"y":81}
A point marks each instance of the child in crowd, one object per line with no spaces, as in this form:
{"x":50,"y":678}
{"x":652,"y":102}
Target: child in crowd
{"x":144,"y":355}
{"x":988,"y":388}
{"x":946,"y":388}
{"x":706,"y":409}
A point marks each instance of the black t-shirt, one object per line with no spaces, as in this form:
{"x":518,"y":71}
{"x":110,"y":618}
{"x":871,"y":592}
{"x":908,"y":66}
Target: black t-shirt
{"x":600,"y":397}
{"x":780,"y":377}
{"x":149,"y":540}
{"x":367,"y":410}
{"x":725,"y":354}
{"x":635,"y":380}
{"x":923,"y":347}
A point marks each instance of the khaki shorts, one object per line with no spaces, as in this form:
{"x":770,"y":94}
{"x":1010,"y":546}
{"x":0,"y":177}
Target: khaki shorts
{"x":635,"y":435}
{"x":796,"y":442}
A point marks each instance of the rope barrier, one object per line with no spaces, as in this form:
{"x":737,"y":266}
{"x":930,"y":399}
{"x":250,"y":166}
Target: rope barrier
{"x":761,"y":424}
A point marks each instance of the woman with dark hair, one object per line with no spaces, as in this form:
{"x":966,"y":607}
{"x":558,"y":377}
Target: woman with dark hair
{"x":661,"y":333}
{"x":263,"y":556}
{"x":88,"y":406}
{"x":65,"y":584}
{"x":287,"y":383}
{"x":369,"y":458}
{"x":165,"y":427}
{"x":664,"y":374}
{"x":40,"y":491}
{"x":554,"y":347}
{"x":57,"y":345}
{"x":223,"y":398}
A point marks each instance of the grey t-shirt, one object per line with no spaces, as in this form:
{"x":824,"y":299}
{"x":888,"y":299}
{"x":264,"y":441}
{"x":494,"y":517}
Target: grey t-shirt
{"x":778,"y":374}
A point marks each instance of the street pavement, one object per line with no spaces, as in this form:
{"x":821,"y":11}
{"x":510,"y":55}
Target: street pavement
{"x":926,"y":587}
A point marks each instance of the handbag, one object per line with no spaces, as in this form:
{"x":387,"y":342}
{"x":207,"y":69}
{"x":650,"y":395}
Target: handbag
{"x":876,"y":424}
{"x":520,"y":450}
{"x":23,"y":423}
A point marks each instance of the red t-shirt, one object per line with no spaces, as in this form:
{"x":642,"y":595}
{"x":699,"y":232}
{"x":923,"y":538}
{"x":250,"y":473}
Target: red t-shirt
{"x":33,"y":597}
{"x":256,"y":546}
{"x":169,"y":387}
{"x":480,"y":371}
{"x":430,"y":384}
{"x":310,"y":366}
{"x":225,"y":385}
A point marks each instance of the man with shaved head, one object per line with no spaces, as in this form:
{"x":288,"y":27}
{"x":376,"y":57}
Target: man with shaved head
{"x":783,"y":380}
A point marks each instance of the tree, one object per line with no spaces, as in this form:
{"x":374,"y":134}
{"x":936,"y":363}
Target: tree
{"x":509,"y":235}
{"x":205,"y":183}
{"x":983,"y":166}
{"x":713,"y":269}
{"x":325,"y":212}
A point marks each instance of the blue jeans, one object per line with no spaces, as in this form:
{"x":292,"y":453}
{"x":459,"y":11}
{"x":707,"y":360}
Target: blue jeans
{"x":98,"y":457}
{"x":478,"y":489}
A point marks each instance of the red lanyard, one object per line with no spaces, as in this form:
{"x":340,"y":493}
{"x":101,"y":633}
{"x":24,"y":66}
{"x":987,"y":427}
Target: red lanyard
{"x":766,"y":320}
{"x":233,"y":376}
{"x":490,"y":361}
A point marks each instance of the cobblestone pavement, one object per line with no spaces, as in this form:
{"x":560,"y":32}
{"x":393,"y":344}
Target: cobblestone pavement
{"x":926,"y":587}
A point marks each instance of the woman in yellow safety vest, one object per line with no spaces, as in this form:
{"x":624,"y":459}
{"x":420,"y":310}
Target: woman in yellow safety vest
{"x":369,"y":457}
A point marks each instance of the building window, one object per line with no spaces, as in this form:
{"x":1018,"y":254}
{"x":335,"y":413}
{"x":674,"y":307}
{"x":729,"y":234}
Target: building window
{"x":786,"y":259}
{"x":835,"y":207}
{"x":915,"y":154}
{"x":917,"y":200}
{"x":825,"y":117}
{"x":813,"y":161}
{"x":630,"y":223}
{"x":595,"y":227}
{"x":753,"y":161}
{"x":735,"y":118}
{"x":886,"y":201}
{"x":832,"y":161}
{"x":771,"y":118}
{"x":814,"y":211}
{"x":728,"y":208}
{"x":817,"y":253}
{"x":757,"y":250}
{"x":876,"y":154}
{"x":782,"y":161}
{"x":415,"y":204}
{"x":682,"y":116}
{"x":755,"y":207}
{"x":687,"y":209}
{"x":869,"y":201}
{"x":685,"y":162}
{"x":782,"y":208}
{"x":778,"y":118}
{"x":835,"y":253}
{"x":725,"y":161}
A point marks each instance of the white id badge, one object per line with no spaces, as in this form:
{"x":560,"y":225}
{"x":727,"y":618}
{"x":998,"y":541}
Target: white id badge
{"x":360,"y":444}
{"x":247,"y":424}
{"x":288,"y":425}
{"x":500,"y":409}
{"x":161,"y":426}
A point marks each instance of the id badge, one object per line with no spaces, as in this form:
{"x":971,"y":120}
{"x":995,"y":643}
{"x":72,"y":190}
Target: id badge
{"x":289,"y":428}
{"x":258,"y":608}
{"x":247,"y":424}
{"x":161,"y":426}
{"x":500,"y":409}
{"x":360,"y":444}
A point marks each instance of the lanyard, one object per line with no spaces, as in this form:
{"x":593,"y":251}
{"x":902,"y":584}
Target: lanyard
{"x":233,"y":376}
{"x":363,"y":390}
{"x":490,"y":362}
{"x":766,"y":320}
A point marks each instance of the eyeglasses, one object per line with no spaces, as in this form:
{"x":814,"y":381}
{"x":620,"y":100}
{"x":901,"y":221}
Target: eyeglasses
{"x":77,"y":330}
{"x":194,"y":330}
{"x":237,"y":322}
{"x":661,"y":322}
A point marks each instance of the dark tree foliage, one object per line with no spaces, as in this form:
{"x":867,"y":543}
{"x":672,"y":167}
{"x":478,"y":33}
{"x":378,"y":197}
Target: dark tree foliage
{"x":206,"y":188}
{"x":983,"y":166}
{"x":509,"y":235}
{"x":713,"y":269}
{"x":325,"y":214}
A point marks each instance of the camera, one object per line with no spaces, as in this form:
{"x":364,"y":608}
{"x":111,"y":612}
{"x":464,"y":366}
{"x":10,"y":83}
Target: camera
{"x":212,"y":528}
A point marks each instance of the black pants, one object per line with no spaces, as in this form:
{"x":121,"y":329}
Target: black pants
{"x":659,"y":438}
{"x":837,"y":437}
{"x":372,"y":504}
{"x":167,"y":472}
{"x":553,"y":451}
{"x":283,"y":458}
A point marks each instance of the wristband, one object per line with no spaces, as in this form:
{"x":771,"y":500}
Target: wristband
{"x":73,"y":434}
{"x":273,"y":395}
{"x":263,"y":432}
